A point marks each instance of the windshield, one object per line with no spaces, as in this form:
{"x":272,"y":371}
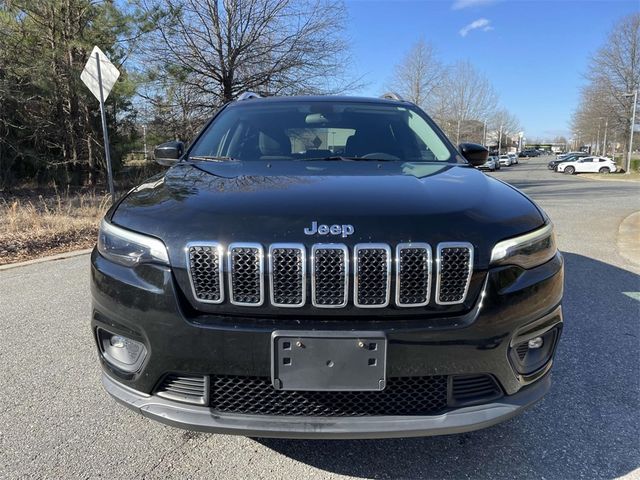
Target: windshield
{"x":308,"y":130}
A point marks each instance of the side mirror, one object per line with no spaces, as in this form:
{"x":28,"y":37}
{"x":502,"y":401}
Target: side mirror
{"x":168,"y":153}
{"x":475,"y":154}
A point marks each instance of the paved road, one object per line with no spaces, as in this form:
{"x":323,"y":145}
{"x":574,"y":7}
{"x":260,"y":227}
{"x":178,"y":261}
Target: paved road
{"x":56,"y":422}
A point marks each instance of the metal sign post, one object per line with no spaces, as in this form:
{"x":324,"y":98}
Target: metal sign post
{"x":105,"y":133}
{"x":100,"y":75}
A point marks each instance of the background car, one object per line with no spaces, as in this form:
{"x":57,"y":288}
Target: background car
{"x":505,"y":160}
{"x":491,"y":164}
{"x":514,"y":157}
{"x":565,"y":155}
{"x":569,"y":158}
{"x":588,"y":165}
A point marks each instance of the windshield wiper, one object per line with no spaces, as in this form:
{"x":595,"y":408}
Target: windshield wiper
{"x":212,"y":158}
{"x":340,"y":158}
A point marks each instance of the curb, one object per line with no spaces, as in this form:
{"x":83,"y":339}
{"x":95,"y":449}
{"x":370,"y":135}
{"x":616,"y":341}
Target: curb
{"x":50,"y":258}
{"x":628,"y":238}
{"x":614,"y":177}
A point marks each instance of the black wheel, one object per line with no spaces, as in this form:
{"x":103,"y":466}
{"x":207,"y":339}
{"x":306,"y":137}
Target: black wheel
{"x":604,"y":170}
{"x":570,"y":170}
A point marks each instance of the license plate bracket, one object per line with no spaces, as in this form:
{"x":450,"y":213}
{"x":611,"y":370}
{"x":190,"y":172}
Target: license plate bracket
{"x":328,"y":361}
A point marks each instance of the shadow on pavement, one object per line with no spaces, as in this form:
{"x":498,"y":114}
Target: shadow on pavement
{"x":587,"y":426}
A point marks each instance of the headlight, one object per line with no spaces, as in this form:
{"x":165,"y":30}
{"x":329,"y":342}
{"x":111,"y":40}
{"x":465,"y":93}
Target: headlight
{"x":129,"y":248}
{"x":526,"y":251}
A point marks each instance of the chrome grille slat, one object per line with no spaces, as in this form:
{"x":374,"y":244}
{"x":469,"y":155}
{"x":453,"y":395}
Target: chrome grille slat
{"x":246,"y":274}
{"x":287,"y":274}
{"x":455,"y":266}
{"x":329,"y":275}
{"x":372,"y":275}
{"x":413,"y":274}
{"x":204,"y":260}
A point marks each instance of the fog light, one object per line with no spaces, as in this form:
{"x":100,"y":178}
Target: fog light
{"x":121,"y":352}
{"x":117,"y":341}
{"x":535,"y":343}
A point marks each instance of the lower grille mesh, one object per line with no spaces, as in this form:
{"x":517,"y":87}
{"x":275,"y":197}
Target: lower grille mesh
{"x":184,"y":388}
{"x":256,"y":395}
{"x":474,"y":388}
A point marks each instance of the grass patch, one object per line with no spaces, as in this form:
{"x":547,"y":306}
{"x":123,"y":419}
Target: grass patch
{"x":41,"y":225}
{"x":39,"y":221}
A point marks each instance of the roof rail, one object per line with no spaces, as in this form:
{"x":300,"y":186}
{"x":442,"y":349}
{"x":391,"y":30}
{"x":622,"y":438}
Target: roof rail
{"x":392,"y":96}
{"x":247,"y":96}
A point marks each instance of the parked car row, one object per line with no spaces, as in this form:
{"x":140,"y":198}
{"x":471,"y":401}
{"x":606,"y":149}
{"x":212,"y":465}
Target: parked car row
{"x":587,"y":165}
{"x":494,"y":162}
{"x":567,"y":157}
{"x":508,"y":159}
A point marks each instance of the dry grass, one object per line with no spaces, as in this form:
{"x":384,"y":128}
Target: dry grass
{"x":40,"y":225}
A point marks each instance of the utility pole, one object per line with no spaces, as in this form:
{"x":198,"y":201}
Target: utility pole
{"x":634,"y":94}
{"x":144,"y":139}
{"x":500,"y":140}
{"x":604,"y":142}
{"x":598,"y":137}
{"x":484,"y":133}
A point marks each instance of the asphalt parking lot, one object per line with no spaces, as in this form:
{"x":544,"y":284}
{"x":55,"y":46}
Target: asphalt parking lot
{"x":57,"y":422}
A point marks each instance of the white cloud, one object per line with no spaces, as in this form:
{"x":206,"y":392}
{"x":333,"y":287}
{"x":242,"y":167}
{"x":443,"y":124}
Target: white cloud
{"x":481,"y":23}
{"x":460,"y":4}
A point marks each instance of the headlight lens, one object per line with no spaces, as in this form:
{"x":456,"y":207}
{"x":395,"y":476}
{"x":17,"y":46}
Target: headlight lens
{"x":129,"y":248}
{"x":526,"y":251}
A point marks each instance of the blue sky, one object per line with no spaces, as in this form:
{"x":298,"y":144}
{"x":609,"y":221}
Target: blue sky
{"x":536,"y":53}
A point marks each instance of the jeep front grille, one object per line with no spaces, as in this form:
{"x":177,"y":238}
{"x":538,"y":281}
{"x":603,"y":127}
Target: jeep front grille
{"x":414,"y":274}
{"x":329,"y":275}
{"x":246,"y":267}
{"x":372,"y":275}
{"x":288,"y":273}
{"x":455,"y":264}
{"x":374,"y":266}
{"x":205,"y":271}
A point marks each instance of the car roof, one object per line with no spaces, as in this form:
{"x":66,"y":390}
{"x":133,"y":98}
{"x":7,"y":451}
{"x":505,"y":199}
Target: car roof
{"x":318,"y":98}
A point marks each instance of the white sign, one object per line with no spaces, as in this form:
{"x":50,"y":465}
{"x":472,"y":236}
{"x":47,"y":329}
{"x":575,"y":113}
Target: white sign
{"x":108,"y":72}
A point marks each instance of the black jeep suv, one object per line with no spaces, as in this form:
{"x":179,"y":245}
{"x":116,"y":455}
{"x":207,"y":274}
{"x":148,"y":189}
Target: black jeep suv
{"x":326,"y":267}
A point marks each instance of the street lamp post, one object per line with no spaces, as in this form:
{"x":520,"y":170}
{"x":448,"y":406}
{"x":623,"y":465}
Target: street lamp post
{"x":604,"y":142}
{"x":484,"y":134}
{"x":633,"y":94}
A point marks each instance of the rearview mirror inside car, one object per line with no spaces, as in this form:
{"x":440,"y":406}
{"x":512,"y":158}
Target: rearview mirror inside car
{"x":168,"y":153}
{"x":475,"y":154}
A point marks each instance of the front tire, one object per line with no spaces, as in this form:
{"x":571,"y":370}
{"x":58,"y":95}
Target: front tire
{"x":570,"y":170}
{"x":604,"y":170}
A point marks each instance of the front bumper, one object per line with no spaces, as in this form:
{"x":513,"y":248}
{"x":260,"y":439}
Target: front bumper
{"x":203,"y":420}
{"x":145,"y":305}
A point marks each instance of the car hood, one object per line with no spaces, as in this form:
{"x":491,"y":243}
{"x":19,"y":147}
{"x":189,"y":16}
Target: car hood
{"x":389,"y":202}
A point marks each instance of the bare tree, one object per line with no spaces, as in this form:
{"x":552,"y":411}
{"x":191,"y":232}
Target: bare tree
{"x":465,"y":98}
{"x":419,"y":75}
{"x":605,"y":106}
{"x":503,"y":127}
{"x":221,"y":49}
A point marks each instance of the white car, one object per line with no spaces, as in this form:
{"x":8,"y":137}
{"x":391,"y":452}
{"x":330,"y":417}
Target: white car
{"x":588,"y":165}
{"x":514,"y":157}
{"x":506,"y":160}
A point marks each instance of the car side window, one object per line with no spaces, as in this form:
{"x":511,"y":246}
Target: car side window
{"x":587,"y":160}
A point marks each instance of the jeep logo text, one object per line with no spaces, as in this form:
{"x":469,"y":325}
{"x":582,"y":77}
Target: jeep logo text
{"x":344,"y":230}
